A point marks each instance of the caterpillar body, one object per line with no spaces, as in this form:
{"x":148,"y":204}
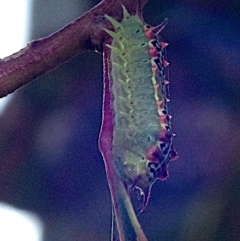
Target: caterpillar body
{"x":136,"y":129}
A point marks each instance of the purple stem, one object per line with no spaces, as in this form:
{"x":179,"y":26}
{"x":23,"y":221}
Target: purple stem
{"x":126,"y":220}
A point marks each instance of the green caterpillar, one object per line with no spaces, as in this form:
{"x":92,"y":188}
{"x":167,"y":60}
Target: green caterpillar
{"x":136,"y":115}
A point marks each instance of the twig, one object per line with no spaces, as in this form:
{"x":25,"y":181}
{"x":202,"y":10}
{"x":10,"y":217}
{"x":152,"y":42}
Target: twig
{"x":45,"y":54}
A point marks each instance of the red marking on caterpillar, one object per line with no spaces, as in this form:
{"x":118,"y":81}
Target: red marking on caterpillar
{"x":163,"y":119}
{"x":154,"y":154}
{"x":163,"y":173}
{"x":165,"y":136}
{"x":149,"y":32}
{"x":153,"y":52}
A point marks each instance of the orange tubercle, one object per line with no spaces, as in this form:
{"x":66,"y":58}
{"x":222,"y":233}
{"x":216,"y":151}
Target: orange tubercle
{"x":165,"y":63}
{"x":153,"y":52}
{"x":163,"y":44}
{"x":149,"y":33}
{"x":163,"y":119}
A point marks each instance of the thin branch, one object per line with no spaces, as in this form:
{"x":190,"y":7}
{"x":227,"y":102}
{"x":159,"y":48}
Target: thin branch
{"x":45,"y":54}
{"x":127,"y":223}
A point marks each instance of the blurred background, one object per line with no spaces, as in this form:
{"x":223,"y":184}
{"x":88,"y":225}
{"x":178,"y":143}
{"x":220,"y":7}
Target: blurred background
{"x":50,"y":164}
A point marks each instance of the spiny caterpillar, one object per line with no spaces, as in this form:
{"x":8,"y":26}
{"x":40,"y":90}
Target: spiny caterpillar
{"x":136,"y":116}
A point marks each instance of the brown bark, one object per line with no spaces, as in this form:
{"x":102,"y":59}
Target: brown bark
{"x":45,"y":54}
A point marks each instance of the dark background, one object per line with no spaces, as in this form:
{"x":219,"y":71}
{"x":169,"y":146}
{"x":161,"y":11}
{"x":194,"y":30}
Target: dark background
{"x":49,"y":158}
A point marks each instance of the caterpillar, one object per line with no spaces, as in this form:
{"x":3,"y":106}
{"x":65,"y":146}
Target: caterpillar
{"x":136,"y":127}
